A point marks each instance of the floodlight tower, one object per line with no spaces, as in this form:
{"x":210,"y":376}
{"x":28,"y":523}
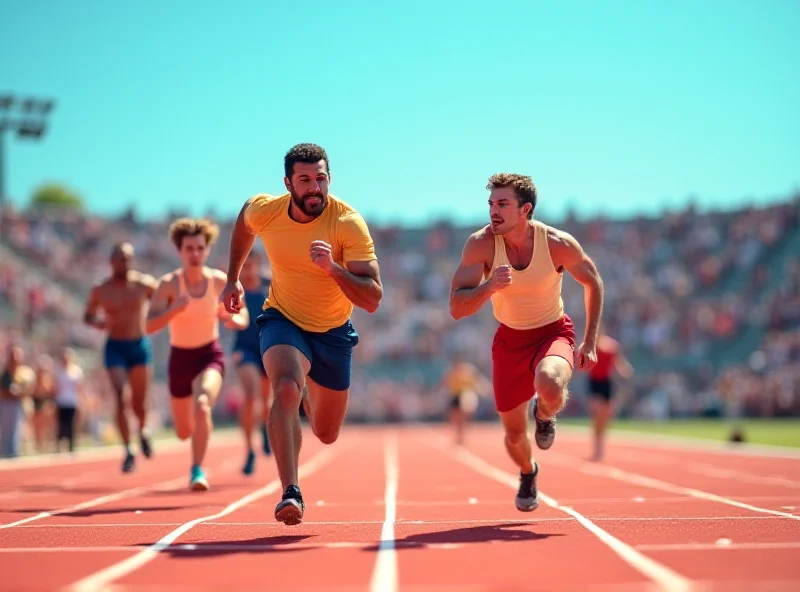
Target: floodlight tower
{"x":29,"y":124}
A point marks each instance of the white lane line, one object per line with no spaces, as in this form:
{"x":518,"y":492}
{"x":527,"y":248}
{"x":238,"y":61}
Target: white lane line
{"x":384,"y":575}
{"x":166,"y":445}
{"x":106,"y":499}
{"x":661,"y":441}
{"x":667,"y":579}
{"x":718,"y":547}
{"x":101,"y":579}
{"x":644,"y":481}
{"x":454,"y":522}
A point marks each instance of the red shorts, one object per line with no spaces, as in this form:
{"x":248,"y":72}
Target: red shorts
{"x":185,"y":365}
{"x":517,"y":352}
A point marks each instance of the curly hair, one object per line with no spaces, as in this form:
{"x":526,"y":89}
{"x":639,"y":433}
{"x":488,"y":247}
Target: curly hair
{"x":523,"y":187}
{"x":184,"y":227}
{"x":306,"y":153}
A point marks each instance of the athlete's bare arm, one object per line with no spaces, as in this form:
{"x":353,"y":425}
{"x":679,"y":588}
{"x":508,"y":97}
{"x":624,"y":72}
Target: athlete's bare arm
{"x":149,"y":283}
{"x":238,"y":321}
{"x":623,"y":366}
{"x":361,"y":283}
{"x":93,"y":306}
{"x":567,"y":254}
{"x":242,"y":239}
{"x":164,"y":304}
{"x":467,"y":293}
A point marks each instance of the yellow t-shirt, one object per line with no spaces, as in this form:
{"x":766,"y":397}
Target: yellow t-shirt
{"x":300,"y":290}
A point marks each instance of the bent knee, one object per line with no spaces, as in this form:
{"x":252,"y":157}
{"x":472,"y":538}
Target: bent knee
{"x":286,"y":393}
{"x":327,"y":436}
{"x":183,"y":432}
{"x":515,"y":437}
{"x":551,"y":379}
{"x":202,"y":405}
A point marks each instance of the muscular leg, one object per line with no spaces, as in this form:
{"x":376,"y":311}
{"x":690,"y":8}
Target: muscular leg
{"x":140,"y":377}
{"x":601,"y":413}
{"x":183,"y":416}
{"x":206,"y":389}
{"x":250,"y":380}
{"x":119,"y":379}
{"x":286,"y":367}
{"x":459,"y":420}
{"x":550,"y":382}
{"x":518,"y":444}
{"x":266,"y":405}
{"x":326,"y":410}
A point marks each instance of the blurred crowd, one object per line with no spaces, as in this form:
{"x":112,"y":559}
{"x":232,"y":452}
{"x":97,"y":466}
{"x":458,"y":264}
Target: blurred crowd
{"x":705,"y":304}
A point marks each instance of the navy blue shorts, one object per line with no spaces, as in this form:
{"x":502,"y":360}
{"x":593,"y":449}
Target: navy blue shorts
{"x":248,"y":355}
{"x":127,"y":353}
{"x":330,"y":353}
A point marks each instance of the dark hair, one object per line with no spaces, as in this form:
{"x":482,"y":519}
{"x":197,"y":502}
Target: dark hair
{"x":523,"y":186}
{"x":306,"y":153}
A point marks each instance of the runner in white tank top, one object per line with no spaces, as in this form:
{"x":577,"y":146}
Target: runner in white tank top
{"x":517,"y":263}
{"x":187,"y":301}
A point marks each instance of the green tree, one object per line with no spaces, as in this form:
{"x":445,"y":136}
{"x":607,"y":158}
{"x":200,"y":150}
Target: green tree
{"x":55,"y":195}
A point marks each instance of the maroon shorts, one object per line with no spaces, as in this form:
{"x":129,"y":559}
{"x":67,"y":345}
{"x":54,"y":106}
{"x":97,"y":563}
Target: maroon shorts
{"x":186,"y":364}
{"x":516,"y":353}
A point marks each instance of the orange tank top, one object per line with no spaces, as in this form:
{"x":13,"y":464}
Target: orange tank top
{"x":533,"y":299}
{"x":197,"y":324}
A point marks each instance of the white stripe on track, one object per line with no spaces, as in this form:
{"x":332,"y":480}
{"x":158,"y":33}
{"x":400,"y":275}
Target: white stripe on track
{"x":384,"y":575}
{"x":666,"y":578}
{"x":101,"y":579}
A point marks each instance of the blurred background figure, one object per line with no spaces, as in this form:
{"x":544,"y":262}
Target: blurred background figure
{"x":16,"y":382}
{"x":42,"y":416}
{"x":69,"y":381}
{"x":464,"y":384}
{"x":601,"y":387}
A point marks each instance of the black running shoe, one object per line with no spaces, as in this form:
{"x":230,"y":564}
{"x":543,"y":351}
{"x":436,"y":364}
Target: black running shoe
{"x":128,"y":463}
{"x":291,"y":507}
{"x":545,"y":428}
{"x":144,"y":442}
{"x":527,"y":499}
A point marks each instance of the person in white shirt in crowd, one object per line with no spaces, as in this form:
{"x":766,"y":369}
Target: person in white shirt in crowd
{"x":69,"y":378}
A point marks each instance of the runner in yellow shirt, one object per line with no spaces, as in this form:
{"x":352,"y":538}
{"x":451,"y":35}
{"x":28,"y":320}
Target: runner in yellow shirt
{"x":323,"y":264}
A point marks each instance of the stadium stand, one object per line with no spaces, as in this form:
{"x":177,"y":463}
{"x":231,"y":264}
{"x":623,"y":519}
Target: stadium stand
{"x":705,"y":304}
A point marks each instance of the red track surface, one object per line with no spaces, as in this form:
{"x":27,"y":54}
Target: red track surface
{"x":402,"y":509}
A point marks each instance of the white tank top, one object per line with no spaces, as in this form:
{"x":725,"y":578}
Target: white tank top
{"x":533,"y":299}
{"x":197,"y":324}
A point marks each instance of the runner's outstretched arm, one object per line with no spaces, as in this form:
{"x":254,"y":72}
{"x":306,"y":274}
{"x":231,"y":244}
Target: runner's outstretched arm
{"x":467,"y":293}
{"x":242,"y":240}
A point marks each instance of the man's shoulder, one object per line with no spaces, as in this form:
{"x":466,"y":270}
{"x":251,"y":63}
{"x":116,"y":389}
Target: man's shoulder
{"x":263,"y":199}
{"x":144,"y":280}
{"x":343,"y":210}
{"x":263,"y":208}
{"x":479,"y":245}
{"x":169,"y":277}
{"x":482,"y":238}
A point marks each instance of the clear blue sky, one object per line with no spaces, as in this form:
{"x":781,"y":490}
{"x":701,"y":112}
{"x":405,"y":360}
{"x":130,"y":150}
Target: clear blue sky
{"x":613,"y":106}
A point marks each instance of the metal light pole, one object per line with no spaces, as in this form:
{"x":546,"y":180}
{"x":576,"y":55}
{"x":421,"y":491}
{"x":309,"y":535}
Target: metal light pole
{"x":29,"y":124}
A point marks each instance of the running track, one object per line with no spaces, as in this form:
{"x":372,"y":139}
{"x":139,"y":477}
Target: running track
{"x":400,"y":508}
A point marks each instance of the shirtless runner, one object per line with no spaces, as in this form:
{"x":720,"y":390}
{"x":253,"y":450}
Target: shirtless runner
{"x":124,"y":298}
